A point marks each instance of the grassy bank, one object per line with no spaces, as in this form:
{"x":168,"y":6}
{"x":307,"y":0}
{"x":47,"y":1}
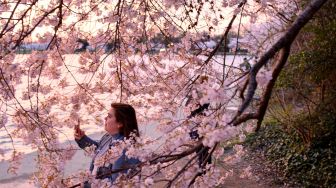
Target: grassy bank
{"x":301,"y":165}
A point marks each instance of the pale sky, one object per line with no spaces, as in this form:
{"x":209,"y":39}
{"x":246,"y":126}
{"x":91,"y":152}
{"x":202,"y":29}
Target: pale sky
{"x":94,"y":25}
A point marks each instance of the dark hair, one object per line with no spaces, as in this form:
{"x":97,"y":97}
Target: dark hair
{"x":125,"y":114}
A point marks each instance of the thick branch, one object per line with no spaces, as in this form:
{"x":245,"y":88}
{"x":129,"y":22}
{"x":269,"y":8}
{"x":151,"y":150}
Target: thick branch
{"x":285,"y":41}
{"x":284,"y":53}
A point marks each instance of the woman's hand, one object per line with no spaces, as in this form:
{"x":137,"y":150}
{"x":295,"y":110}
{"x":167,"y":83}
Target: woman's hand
{"x":78,"y":132}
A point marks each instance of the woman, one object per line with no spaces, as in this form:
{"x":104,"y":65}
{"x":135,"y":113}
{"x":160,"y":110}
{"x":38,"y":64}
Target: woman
{"x":119,"y":124}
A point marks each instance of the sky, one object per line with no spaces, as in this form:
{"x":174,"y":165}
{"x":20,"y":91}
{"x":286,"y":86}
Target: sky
{"x":93,"y":25}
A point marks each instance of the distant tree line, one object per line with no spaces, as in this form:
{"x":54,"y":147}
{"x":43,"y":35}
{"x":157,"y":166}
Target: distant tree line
{"x":159,"y":42}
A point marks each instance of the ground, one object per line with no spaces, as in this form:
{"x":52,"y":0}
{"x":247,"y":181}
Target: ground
{"x":263,"y":174}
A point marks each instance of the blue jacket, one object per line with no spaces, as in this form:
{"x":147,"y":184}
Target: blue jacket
{"x":122,"y":162}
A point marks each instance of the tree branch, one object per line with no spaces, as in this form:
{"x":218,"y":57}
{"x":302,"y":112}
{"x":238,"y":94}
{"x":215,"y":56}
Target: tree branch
{"x":284,"y":53}
{"x":285,"y":41}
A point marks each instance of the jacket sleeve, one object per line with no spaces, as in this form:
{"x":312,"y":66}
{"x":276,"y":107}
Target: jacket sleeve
{"x":85,"y":141}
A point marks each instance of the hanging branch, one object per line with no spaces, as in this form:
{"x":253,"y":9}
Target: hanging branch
{"x":284,"y":53}
{"x":283,"y":43}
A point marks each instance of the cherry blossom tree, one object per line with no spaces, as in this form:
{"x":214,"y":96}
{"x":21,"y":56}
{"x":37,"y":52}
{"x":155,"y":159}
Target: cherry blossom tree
{"x":178,"y":83}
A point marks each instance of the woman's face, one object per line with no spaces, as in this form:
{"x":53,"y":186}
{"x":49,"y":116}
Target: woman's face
{"x":111,"y":124}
